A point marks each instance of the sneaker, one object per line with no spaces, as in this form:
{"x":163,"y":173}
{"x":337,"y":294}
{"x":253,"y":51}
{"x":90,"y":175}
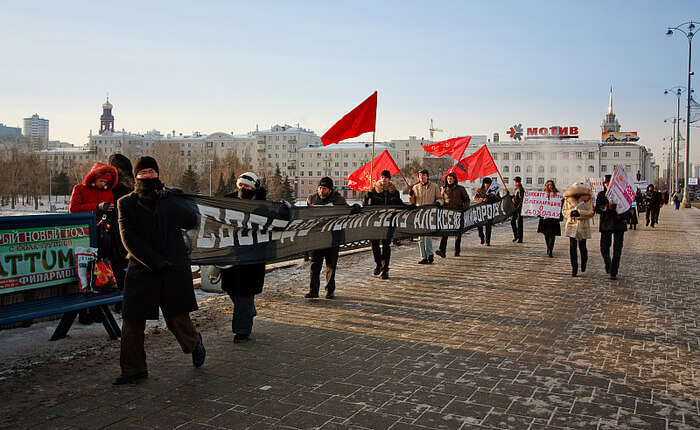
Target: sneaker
{"x":199,"y":353}
{"x":440,"y":253}
{"x":423,"y":261}
{"x":385,"y":275}
{"x":377,"y":271}
{"x":130,"y":379}
{"x":430,"y":259}
{"x":240,"y":338}
{"x":311,"y":295}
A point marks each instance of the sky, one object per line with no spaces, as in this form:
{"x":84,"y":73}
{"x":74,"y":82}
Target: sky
{"x":474,"y":67}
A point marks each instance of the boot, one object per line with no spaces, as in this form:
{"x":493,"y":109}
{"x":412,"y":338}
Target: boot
{"x":574,"y":271}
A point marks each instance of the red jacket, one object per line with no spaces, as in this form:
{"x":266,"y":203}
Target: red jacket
{"x":87,"y":196}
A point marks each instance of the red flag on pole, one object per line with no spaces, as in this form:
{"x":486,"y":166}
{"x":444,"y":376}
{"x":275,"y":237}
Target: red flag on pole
{"x":476,"y":166}
{"x":359,"y":180}
{"x":358,"y":121}
{"x":453,"y":147}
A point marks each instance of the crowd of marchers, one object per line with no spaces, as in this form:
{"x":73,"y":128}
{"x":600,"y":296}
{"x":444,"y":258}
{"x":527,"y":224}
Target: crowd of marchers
{"x":153,"y":270}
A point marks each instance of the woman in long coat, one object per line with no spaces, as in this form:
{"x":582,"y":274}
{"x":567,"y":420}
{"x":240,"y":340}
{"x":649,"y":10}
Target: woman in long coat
{"x":578,"y":211}
{"x":158,"y":274}
{"x":549,"y":226}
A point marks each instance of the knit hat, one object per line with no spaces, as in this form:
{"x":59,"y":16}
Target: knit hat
{"x":250,"y":179}
{"x":145,"y":162}
{"x":326,"y":182}
{"x":518,"y":179}
{"x":424,"y":171}
{"x":386,"y":174}
{"x":122,"y":163}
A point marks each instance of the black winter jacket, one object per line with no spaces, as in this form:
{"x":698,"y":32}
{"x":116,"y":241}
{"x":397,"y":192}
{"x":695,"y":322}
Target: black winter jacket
{"x":610,"y":220}
{"x":379,"y":196}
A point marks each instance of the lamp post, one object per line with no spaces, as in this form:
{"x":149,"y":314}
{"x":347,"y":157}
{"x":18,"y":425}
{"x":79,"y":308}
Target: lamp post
{"x":672,"y":161}
{"x":210,"y":161}
{"x":678,"y":91}
{"x":689,"y":32}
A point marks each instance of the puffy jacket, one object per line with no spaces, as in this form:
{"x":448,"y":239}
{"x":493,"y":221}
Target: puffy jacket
{"x":578,"y":196}
{"x":86,"y":196}
{"x":455,"y":196}
{"x":380,"y":196}
{"x":332,"y":199}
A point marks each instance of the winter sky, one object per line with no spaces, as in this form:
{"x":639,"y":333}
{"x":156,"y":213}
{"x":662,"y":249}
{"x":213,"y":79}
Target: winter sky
{"x":475,"y":67}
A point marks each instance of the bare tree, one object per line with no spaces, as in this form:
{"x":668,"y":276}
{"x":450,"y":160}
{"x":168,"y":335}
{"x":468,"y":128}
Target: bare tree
{"x":169,"y":162}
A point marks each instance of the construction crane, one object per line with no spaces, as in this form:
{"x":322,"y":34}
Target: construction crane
{"x":433,"y":129}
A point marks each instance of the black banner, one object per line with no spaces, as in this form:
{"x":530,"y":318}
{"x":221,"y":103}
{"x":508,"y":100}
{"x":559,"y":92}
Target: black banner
{"x":233,"y":231}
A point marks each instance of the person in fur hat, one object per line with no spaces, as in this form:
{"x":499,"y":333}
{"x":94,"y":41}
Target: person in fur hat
{"x":453,"y":196}
{"x":578,"y":211}
{"x":384,"y":193}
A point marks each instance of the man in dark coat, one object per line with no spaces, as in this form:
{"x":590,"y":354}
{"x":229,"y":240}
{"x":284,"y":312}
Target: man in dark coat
{"x":453,"y":196}
{"x":124,"y":186}
{"x":612,"y":226}
{"x":482,"y":195}
{"x":242,"y":282}
{"x":516,"y":222}
{"x":652,"y":199}
{"x":325,"y":196}
{"x":384,"y":193}
{"x":151,"y":220}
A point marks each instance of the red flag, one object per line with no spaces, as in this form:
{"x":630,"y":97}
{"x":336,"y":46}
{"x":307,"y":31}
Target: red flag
{"x":453,"y":147}
{"x":476,"y":166}
{"x":359,"y":180}
{"x":360,"y":120}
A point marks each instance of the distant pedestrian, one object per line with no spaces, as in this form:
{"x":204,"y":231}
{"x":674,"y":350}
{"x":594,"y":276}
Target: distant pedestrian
{"x":243,"y":281}
{"x":324,"y":196}
{"x":677,"y":198}
{"x":487,"y":193}
{"x":422,"y":194}
{"x":453,"y":196}
{"x":384,"y":193}
{"x":578,"y":210}
{"x":611,"y":226}
{"x":516,"y":222}
{"x":550,"y":227}
{"x":652,"y":200}
{"x":159,"y":274}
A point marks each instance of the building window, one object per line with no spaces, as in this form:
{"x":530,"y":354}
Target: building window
{"x":345,"y":164}
{"x":552,"y":155}
{"x":318,"y":173}
{"x":603,"y":154}
{"x":336,"y":164}
{"x":540,"y":155}
{"x":553,"y":169}
{"x":517,"y":169}
{"x":311,"y":173}
{"x":591,"y":156}
{"x":628,"y":154}
{"x":579,"y":155}
{"x":540,"y":169}
{"x":578,"y":169}
{"x":506,"y":156}
{"x":517,"y":156}
{"x":616,"y":154}
{"x":506,"y":179}
{"x":528,"y":169}
{"x":528,"y":181}
{"x":528,"y":155}
{"x":565,"y":155}
{"x":591,"y":169}
{"x":495,"y":156}
{"x":506,"y":169}
{"x":603,"y":168}
{"x":629,"y":167}
{"x":540,"y":181}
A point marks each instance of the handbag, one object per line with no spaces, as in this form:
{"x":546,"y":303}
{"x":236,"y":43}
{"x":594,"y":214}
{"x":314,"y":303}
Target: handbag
{"x":109,"y":241}
{"x":101,"y":276}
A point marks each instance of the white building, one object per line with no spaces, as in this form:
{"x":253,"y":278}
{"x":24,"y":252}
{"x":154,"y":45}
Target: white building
{"x":37,"y":130}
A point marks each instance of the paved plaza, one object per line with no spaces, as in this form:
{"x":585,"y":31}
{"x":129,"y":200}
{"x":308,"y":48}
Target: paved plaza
{"x":501,"y":337}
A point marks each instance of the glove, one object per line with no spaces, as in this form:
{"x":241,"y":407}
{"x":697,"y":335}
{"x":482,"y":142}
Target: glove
{"x":410,"y":192}
{"x":437,"y":203}
{"x":574,"y":213}
{"x":213,"y":273}
{"x":163,"y":193}
{"x":356,"y":208}
{"x":105,"y":206}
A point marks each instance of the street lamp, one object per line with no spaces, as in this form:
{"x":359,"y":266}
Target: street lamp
{"x":210,"y":161}
{"x":672,"y":183}
{"x":678,"y":91}
{"x":689,"y":32}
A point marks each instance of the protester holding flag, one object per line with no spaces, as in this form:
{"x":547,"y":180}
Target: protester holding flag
{"x":550,"y":227}
{"x":453,"y":196}
{"x":421,"y":194}
{"x":384,"y":193}
{"x":486,"y":194}
{"x":242,"y":282}
{"x":325,"y":196}
{"x":516,"y":222}
{"x":612,"y":226}
{"x":578,"y":210}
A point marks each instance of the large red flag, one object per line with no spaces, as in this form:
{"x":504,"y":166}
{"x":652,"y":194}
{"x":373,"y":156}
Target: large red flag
{"x":476,"y":166}
{"x":359,"y":120}
{"x":359,"y":180}
{"x":453,"y":147}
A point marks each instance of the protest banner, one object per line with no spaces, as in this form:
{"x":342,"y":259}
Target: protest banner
{"x":596,"y":185}
{"x":620,"y":190}
{"x":539,"y":203}
{"x":235,"y":231}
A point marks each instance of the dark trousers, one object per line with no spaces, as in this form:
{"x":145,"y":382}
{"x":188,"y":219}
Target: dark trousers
{"x":381,"y":249}
{"x":516,"y":222}
{"x":487,"y":236}
{"x":652,"y":215}
{"x":132,"y":357}
{"x":243,"y":313}
{"x":549,"y":240}
{"x":606,"y":240}
{"x":317,"y":257}
{"x":573,"y":254}
{"x":458,"y":243}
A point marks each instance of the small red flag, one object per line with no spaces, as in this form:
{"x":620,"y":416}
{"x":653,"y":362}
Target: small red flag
{"x":359,"y":180}
{"x":453,"y":147}
{"x":358,"y":121}
{"x":476,"y":166}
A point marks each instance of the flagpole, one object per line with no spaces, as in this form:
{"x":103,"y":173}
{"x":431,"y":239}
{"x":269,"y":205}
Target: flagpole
{"x":497,"y":170}
{"x":371,"y":166}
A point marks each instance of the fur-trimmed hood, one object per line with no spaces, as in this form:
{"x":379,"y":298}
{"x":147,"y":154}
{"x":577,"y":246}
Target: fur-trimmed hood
{"x":580,"y":190}
{"x":99,"y":169}
{"x":378,"y":187}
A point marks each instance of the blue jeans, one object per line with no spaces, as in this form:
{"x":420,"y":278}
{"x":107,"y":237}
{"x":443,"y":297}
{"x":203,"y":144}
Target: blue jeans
{"x":243,"y":313}
{"x":426,"y":246}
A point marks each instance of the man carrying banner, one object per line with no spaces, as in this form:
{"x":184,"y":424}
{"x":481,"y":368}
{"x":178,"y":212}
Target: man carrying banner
{"x":612,"y":225}
{"x":325,"y":196}
{"x":486,"y":193}
{"x":516,"y":222}
{"x":384,"y":193}
{"x":421,"y":194}
{"x":453,"y":196}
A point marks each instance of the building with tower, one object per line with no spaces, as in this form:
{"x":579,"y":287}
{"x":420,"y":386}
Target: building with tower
{"x":610,"y":123}
{"x":107,"y":119}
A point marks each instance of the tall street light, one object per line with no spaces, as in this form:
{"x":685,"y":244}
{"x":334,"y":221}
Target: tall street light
{"x":678,"y":91}
{"x":689,"y":32}
{"x":672,"y":183}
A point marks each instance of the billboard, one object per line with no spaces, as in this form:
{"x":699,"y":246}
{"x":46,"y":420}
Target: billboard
{"x":620,"y":136}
